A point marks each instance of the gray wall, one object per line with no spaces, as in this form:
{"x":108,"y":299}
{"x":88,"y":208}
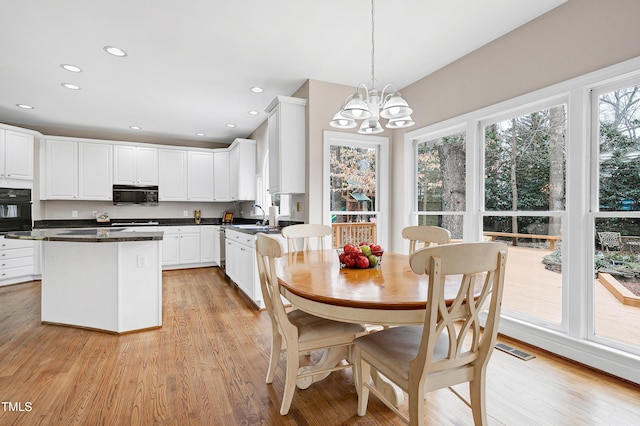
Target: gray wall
{"x":573,"y":39}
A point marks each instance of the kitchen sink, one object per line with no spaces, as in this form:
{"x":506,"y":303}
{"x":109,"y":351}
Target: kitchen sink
{"x":253,"y":226}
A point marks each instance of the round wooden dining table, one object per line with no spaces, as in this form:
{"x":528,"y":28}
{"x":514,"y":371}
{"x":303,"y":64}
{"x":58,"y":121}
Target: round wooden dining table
{"x":388,"y":294}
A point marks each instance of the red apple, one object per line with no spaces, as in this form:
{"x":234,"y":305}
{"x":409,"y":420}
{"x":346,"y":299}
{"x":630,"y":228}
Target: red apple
{"x":349,"y":261}
{"x":350,"y":248}
{"x":362,"y":262}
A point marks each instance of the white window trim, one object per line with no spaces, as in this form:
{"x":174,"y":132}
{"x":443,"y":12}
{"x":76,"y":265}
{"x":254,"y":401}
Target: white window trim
{"x":382,"y":194}
{"x":262,"y":187}
{"x":577,"y":341}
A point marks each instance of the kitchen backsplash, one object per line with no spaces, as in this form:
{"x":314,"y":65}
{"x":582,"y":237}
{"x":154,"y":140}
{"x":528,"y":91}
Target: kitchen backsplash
{"x":49,"y":210}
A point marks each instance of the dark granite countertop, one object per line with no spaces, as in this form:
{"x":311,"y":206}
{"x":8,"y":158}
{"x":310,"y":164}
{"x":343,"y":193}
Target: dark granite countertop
{"x":91,"y":223}
{"x":88,"y":235}
{"x":252,"y":229}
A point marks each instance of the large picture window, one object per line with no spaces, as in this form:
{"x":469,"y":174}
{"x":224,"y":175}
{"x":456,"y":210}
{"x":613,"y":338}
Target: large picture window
{"x":555,"y":175}
{"x":524,"y":197}
{"x":616,"y":112}
{"x":441,"y":182}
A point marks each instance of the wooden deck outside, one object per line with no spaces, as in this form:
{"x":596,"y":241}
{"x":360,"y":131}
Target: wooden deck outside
{"x":535,"y":291}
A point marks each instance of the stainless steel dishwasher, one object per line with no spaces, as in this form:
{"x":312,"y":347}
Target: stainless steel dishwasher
{"x":222,"y":249}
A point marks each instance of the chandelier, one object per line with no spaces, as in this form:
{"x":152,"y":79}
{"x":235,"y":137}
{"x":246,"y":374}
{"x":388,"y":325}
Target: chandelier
{"x":369,"y":104}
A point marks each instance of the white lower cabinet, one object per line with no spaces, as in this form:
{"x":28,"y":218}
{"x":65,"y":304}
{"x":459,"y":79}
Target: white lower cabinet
{"x":210,"y":244}
{"x":180,"y":245}
{"x":16,"y":261}
{"x":170,"y":249}
{"x":241,"y":264}
{"x":190,"y":246}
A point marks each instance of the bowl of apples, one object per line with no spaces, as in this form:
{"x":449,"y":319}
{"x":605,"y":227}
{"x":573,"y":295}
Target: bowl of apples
{"x":361,"y":256}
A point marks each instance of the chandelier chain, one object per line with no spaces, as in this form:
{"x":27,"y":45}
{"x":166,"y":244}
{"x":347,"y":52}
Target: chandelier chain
{"x":369,"y":104}
{"x":373,"y":46}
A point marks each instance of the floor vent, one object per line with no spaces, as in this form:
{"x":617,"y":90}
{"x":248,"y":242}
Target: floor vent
{"x":513,"y":351}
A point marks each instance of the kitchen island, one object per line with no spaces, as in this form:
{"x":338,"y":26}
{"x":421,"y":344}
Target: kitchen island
{"x":103,"y":279}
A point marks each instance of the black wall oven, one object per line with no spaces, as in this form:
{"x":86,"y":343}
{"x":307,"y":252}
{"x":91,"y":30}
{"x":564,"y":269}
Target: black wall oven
{"x":15,"y":210}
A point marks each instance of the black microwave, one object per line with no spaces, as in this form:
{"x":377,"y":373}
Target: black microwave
{"x":146,"y":195}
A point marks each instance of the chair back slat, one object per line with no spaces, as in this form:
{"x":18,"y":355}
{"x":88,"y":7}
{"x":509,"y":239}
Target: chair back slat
{"x":427,"y":235}
{"x":267,"y":250}
{"x":480,"y":267}
{"x":305,"y":237}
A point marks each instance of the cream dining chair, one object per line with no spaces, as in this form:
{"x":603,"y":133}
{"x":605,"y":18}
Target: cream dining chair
{"x":301,"y":332}
{"x":450,"y":348}
{"x":425,"y":234}
{"x":306,"y":236}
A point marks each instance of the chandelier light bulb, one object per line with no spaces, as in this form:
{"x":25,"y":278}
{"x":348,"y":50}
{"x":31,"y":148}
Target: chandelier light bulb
{"x":341,"y":122}
{"x":400,"y":123}
{"x":370,"y":127}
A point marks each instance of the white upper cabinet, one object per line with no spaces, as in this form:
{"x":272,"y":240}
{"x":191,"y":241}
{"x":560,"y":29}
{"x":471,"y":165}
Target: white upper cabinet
{"x":95,"y":168}
{"x":135,"y":165}
{"x":16,"y":156}
{"x":287,"y":145}
{"x":235,"y":170}
{"x":84,"y":169}
{"x":186,"y":175}
{"x":61,"y":170}
{"x":76,"y":171}
{"x":200,"y":170}
{"x":172,"y":175}
{"x":242,"y":170}
{"x":221,"y":182}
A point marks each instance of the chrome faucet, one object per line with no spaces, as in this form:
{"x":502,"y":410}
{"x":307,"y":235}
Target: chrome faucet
{"x":264,"y":215}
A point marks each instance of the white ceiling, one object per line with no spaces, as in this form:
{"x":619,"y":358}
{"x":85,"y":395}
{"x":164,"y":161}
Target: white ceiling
{"x":191,"y":63}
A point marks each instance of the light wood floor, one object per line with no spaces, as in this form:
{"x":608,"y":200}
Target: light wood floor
{"x":207,"y":365}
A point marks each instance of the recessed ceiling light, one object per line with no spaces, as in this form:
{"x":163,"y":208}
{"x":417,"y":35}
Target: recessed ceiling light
{"x":256,"y":89}
{"x":71,"y":86}
{"x":115,"y":51}
{"x":254,"y":112}
{"x":230,"y":125}
{"x":24,"y":106}
{"x":135,"y":127}
{"x":71,"y":68}
{"x":200,"y":134}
